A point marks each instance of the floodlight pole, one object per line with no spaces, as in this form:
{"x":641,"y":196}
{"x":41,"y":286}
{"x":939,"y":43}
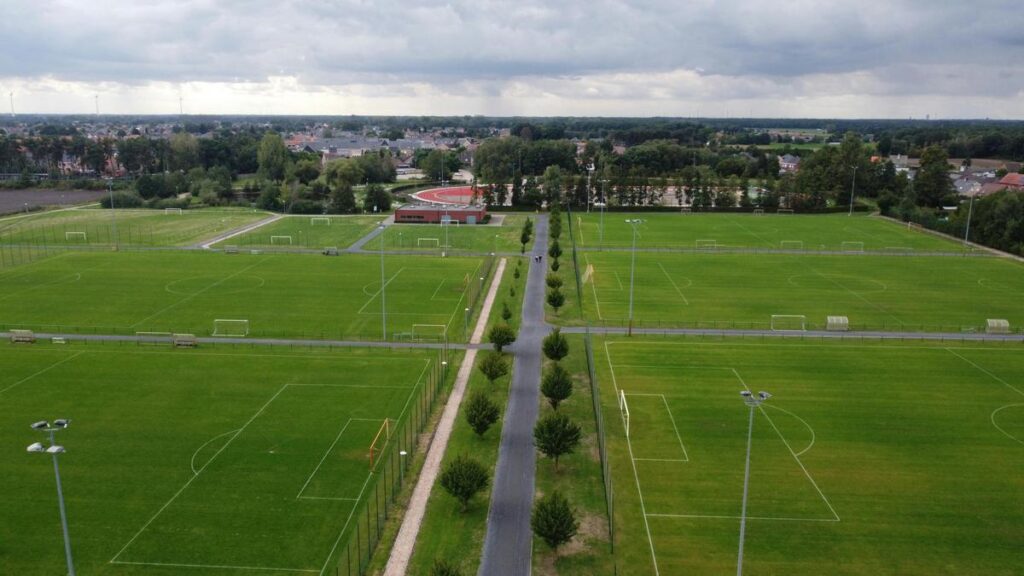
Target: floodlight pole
{"x":753,"y":401}
{"x":383,"y":296}
{"x":632,"y":273}
{"x":590,"y":172}
{"x":113,"y":212}
{"x":853,"y":185}
{"x":54,"y":450}
{"x":970,"y":213}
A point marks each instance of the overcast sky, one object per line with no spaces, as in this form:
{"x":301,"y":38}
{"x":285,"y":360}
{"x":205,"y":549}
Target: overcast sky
{"x":795,"y":58}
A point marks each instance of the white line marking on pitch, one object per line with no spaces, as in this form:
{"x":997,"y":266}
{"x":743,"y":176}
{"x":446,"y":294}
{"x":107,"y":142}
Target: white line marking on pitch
{"x":593,"y":287}
{"x":215,"y":567}
{"x":771,"y":518}
{"x":994,"y":377}
{"x":192,"y":462}
{"x":345,"y":526}
{"x":324,"y":457}
{"x":47,"y":369}
{"x":804,"y":422}
{"x":992,"y":417}
{"x":196,"y":475}
{"x":374,"y":295}
{"x":674,"y":285}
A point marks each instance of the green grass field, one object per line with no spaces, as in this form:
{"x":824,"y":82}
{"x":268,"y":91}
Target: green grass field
{"x":432,"y":237}
{"x":209,"y":461}
{"x":869,"y":459}
{"x":134,"y":227}
{"x":307,"y":232}
{"x":280,"y":295}
{"x":744,"y":290}
{"x":769,"y":231}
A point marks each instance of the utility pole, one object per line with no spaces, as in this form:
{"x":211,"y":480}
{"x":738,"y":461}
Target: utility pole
{"x":55,"y":449}
{"x":970,"y":213}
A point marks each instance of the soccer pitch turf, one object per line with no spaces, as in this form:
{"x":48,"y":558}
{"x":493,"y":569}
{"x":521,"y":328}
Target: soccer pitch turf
{"x":770,"y":231}
{"x":868,"y":459}
{"x":279,"y":295}
{"x":745,"y":290}
{"x":466,"y":238}
{"x":134,"y":227}
{"x":307,"y":232}
{"x":209,"y":461}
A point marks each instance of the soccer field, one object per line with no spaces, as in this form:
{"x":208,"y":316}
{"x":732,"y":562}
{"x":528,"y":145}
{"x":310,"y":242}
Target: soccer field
{"x":745,"y":290}
{"x":209,"y":461}
{"x":837,"y":232}
{"x":433,"y":238}
{"x":307,"y":232}
{"x":867,"y":459}
{"x":276,"y":295}
{"x":95,"y":227}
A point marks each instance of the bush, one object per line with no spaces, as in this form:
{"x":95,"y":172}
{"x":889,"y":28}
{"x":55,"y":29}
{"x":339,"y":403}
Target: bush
{"x":463,"y":477}
{"x":555,"y":250}
{"x":444,"y":568}
{"x":506,"y":312}
{"x":553,"y":280}
{"x":493,"y":366}
{"x":555,"y":265}
{"x":481,"y":412}
{"x":553,"y":520}
{"x":556,"y":346}
{"x":306,"y":207}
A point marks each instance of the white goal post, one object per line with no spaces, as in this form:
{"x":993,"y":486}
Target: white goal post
{"x":76,"y":236}
{"x":706,"y":243}
{"x":428,"y":333}
{"x":435,"y":242}
{"x":319,"y":220}
{"x":852,"y":246}
{"x":624,"y":409}
{"x":176,"y":211}
{"x":791,"y":244}
{"x":230,"y":327}
{"x":784,"y":211}
{"x":275,"y":240}
{"x":789,"y":323}
{"x":758,"y":211}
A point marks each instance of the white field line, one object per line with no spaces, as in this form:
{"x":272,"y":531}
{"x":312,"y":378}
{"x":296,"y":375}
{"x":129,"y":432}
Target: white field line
{"x":992,"y":418}
{"x":788,"y":447}
{"x":214,"y":567}
{"x":242,"y":230}
{"x":192,"y":462}
{"x":370,"y":386}
{"x":344,"y":527}
{"x":661,"y":459}
{"x":771,"y":518}
{"x":802,"y":421}
{"x":191,"y":296}
{"x":593,"y":287}
{"x":676,"y":428}
{"x":324,"y":457}
{"x":674,"y":285}
{"x":44,"y":370}
{"x":993,"y":376}
{"x":640,"y":494}
{"x":860,"y":296}
{"x":405,"y":541}
{"x":196,"y":475}
{"x":619,"y":280}
{"x":741,"y":344}
{"x":374,"y":295}
{"x":751,"y":232}
{"x":438,"y":289}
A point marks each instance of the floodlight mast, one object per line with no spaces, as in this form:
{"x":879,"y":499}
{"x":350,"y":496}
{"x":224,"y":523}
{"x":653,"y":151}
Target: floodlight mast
{"x":383,"y":301}
{"x":753,"y":401}
{"x":853,"y":186}
{"x":632,"y":273}
{"x":54,"y":449}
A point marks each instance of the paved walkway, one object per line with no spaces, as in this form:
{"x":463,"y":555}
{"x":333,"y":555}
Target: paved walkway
{"x":357,"y":246}
{"x":405,"y":542}
{"x":509,"y":542}
{"x":297,"y":342}
{"x":205,"y":245}
{"x":796,"y":334}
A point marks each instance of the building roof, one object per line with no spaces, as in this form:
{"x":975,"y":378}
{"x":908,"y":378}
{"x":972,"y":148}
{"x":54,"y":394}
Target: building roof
{"x":1015,"y":180}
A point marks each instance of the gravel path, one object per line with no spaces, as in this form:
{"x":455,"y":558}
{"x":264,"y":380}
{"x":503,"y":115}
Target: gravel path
{"x":405,"y":542}
{"x":509,"y":543}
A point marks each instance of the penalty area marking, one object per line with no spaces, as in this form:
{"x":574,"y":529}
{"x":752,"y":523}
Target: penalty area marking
{"x":374,"y":295}
{"x":992,"y":417}
{"x":674,"y":285}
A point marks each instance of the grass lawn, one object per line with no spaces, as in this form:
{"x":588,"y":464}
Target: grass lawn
{"x":744,"y":290}
{"x":769,"y":231}
{"x":868,"y":459}
{"x":307,"y":232}
{"x":280,"y":295}
{"x":94,"y":227}
{"x":431,"y":238}
{"x":209,"y":461}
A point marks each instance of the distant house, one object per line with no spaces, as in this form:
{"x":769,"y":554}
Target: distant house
{"x":1013,"y":181}
{"x":788,"y":164}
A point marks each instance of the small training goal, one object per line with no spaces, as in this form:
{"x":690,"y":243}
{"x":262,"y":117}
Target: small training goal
{"x":230,"y":328}
{"x":281,"y":240}
{"x":852,"y":246}
{"x":791,"y":244}
{"x":788,"y":323}
{"x":76,"y":237}
{"x":172,"y":211}
{"x":450,"y":223}
{"x":784,"y":211}
{"x":624,"y":409}
{"x":429,"y":242}
{"x":706,"y":243}
{"x":758,"y":211}
{"x":319,"y":220}
{"x":428,"y":333}
{"x":686,"y":210}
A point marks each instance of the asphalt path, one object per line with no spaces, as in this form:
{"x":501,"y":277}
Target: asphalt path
{"x":299,"y":343}
{"x":805,"y":334}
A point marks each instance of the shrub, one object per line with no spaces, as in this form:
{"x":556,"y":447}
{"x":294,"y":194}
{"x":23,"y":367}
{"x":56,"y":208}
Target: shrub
{"x":481,"y":412}
{"x":553,"y":520}
{"x":463,"y":477}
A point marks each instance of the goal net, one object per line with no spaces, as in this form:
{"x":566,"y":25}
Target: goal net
{"x":380,"y":442}
{"x":319,"y":220}
{"x":791,"y":244}
{"x":624,"y":409}
{"x":789,"y":322}
{"x":706,"y":243}
{"x":230,"y":328}
{"x":278,"y":240}
{"x":176,"y":211}
{"x":685,"y":210}
{"x":587,"y":274}
{"x":852,"y":246}
{"x":432,"y":242}
{"x":75,"y":237}
{"x":758,"y":211}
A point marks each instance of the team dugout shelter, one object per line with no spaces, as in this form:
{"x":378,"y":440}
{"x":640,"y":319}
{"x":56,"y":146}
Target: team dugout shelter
{"x":432,"y":214}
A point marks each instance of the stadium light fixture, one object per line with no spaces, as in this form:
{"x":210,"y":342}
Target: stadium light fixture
{"x":753,"y":401}
{"x":54,"y":449}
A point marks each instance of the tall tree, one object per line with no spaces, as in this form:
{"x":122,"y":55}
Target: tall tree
{"x":272,"y":157}
{"x":932,"y":185}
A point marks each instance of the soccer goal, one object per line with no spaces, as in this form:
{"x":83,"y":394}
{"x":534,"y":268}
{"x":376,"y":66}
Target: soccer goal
{"x":706,"y":243}
{"x":230,"y":249}
{"x":428,"y":333}
{"x":784,"y":211}
{"x":587,"y":274}
{"x":852,"y":246}
{"x":429,"y":242}
{"x":380,"y":442}
{"x":686,"y":210}
{"x":791,"y":244}
{"x":331,"y":251}
{"x":624,"y":409}
{"x":231,"y":328}
{"x":281,"y":240}
{"x":758,"y":211}
{"x":76,"y":237}
{"x":319,"y":220}
{"x":174,"y":211}
{"x":789,"y":323}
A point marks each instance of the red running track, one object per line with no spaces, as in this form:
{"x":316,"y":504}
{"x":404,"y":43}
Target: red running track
{"x":454,"y":195}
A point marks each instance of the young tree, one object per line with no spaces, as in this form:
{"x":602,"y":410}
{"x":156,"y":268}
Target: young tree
{"x":555,"y":265}
{"x":524,"y":238}
{"x":554,"y":520}
{"x":444,"y":568}
{"x":556,"y":385}
{"x":556,"y":435}
{"x":506,"y":312}
{"x":463,"y":477}
{"x":555,"y":299}
{"x":555,"y":250}
{"x":481,"y":412}
{"x":493,"y":366}
{"x":555,"y":345}
{"x":501,"y":335}
{"x":553,"y":281}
